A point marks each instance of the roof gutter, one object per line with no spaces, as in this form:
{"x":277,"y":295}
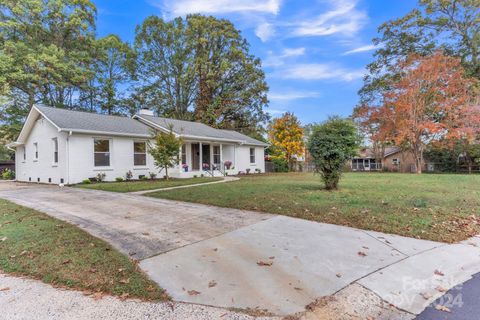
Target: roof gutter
{"x":70,"y":131}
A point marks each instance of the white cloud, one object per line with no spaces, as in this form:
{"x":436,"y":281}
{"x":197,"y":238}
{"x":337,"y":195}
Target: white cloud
{"x":273,"y":60}
{"x":183,"y":7}
{"x":265,"y":31}
{"x":276,"y":111}
{"x":366,"y":48}
{"x":319,"y":71}
{"x":344,"y":18}
{"x":292,"y":95}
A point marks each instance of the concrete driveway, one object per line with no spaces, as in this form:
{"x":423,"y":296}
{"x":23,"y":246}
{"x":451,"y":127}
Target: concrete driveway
{"x":241,"y":259}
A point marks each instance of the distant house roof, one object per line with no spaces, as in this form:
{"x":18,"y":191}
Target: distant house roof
{"x":367,"y":153}
{"x":139,"y":126}
{"x":198,"y":130}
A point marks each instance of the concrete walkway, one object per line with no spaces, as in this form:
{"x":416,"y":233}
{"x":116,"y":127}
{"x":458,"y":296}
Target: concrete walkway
{"x":225,"y":179}
{"x":233,"y":258}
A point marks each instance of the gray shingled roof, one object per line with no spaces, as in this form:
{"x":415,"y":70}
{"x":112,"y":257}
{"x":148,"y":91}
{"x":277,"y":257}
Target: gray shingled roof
{"x":92,"y":122}
{"x":196,"y":129}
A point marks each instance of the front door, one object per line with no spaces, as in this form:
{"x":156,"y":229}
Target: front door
{"x":195,"y":156}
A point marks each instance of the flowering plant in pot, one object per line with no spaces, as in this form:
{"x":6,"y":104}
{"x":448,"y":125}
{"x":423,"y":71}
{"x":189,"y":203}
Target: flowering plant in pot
{"x":185,"y":167}
{"x":206,"y":166}
{"x":228,"y":164}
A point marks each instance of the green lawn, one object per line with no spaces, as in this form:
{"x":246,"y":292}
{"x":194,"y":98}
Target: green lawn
{"x":131,"y":186}
{"x":36,"y":245}
{"x":442,"y":207}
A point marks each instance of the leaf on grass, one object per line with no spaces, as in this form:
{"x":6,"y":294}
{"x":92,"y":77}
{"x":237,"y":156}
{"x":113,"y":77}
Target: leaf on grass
{"x":66,"y":261}
{"x":98,"y":295}
{"x":124,"y":281}
{"x":439,"y":307}
{"x":264,"y":263}
{"x":361,"y":254}
{"x":439,"y":273}
{"x":193,"y":292}
{"x":93,"y":270}
{"x":3,"y":239}
{"x":124,"y":296}
{"x":212,"y":284}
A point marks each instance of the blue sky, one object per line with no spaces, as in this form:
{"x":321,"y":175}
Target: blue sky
{"x":314,"y":52}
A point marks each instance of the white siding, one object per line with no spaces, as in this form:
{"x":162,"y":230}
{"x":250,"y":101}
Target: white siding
{"x":82,"y":164}
{"x":243,"y":159}
{"x":44,"y":167}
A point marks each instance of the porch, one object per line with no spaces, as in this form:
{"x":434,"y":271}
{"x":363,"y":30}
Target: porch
{"x":205,"y":158}
{"x":366,"y":164}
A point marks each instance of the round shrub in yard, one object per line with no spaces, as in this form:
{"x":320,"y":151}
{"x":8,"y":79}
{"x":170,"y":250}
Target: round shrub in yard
{"x":331,"y":145}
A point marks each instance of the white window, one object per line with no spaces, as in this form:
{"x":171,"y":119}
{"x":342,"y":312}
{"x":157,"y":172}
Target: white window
{"x":102,"y":152}
{"x":184,"y":154}
{"x":396,"y":161}
{"x":35,"y":149}
{"x":216,"y":154}
{"x":24,"y":154}
{"x":252,"y":155}
{"x":55,"y":150}
{"x":139,"y":154}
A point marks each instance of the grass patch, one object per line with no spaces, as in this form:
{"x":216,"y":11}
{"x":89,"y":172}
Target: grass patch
{"x":440,"y":207}
{"x":132,"y":186}
{"x":35,"y":245}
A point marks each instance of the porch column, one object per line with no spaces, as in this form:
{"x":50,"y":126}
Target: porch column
{"x":211,"y":154}
{"x":221,"y":155}
{"x":200,"y":156}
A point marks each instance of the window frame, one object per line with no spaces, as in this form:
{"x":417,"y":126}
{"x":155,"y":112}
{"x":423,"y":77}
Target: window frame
{"x":183,"y":154}
{"x":252,"y":155}
{"x":140,"y":153}
{"x":99,"y":152}
{"x":24,"y":159}
{"x":35,"y":151}
{"x":55,"y":150}
{"x":396,"y":161}
{"x":219,"y":155}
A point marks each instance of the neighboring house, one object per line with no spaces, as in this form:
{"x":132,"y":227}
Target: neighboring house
{"x":64,"y":146}
{"x":394,"y":159}
{"x":7,"y":164}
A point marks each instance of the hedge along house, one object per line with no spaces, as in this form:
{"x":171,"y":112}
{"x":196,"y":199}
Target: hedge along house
{"x":63,"y":146}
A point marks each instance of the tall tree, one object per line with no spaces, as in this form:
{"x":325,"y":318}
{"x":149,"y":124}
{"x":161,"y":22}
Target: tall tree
{"x":165,"y":67}
{"x":113,"y":65}
{"x":200,"y":67}
{"x":45,"y":49}
{"x":430,"y":102}
{"x":450,"y":25}
{"x":287,"y":136}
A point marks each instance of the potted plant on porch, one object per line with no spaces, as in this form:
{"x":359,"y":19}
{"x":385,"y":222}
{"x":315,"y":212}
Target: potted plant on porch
{"x":185,"y":167}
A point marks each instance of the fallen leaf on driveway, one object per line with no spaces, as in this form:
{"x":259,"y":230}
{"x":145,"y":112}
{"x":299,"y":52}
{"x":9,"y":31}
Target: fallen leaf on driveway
{"x":439,"y":273}
{"x":339,"y":275}
{"x":264,"y":263}
{"x":439,"y":307}
{"x":5,"y":289}
{"x":441,"y":289}
{"x":361,"y":254}
{"x":212,"y":284}
{"x":193,"y":292}
{"x":426,"y":296}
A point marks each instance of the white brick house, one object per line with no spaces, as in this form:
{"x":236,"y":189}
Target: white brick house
{"x":63,"y":146}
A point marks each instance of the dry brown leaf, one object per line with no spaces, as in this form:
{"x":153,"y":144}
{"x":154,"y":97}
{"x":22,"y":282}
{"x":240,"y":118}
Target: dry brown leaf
{"x":361,"y":254}
{"x":193,"y":292}
{"x":426,"y":296}
{"x":5,"y":289}
{"x":66,"y":261}
{"x":439,"y":307}
{"x":441,"y":289}
{"x":124,"y":296}
{"x":124,"y":281}
{"x":339,"y":275}
{"x":264,"y":263}
{"x":3,"y":239}
{"x":212,"y":284}
{"x":98,"y":295}
{"x":439,"y":273}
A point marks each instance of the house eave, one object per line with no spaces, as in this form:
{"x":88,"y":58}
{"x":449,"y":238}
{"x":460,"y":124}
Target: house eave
{"x":105,"y":133}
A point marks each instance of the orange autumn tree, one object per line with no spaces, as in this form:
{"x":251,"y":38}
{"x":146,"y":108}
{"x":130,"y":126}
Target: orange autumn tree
{"x":430,"y":102}
{"x":286,"y":134}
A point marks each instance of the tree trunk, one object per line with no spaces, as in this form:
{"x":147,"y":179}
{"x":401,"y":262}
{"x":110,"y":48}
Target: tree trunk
{"x":166,"y":173}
